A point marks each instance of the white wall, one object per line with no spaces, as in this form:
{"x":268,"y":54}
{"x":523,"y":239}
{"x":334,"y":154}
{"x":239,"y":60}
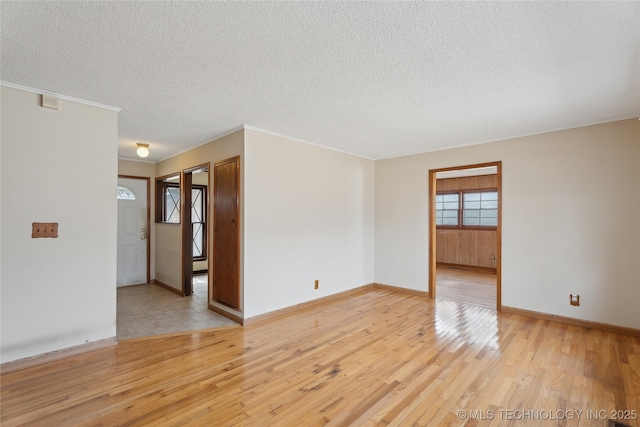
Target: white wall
{"x":571,"y":203}
{"x":308,"y":215}
{"x":57,"y":166}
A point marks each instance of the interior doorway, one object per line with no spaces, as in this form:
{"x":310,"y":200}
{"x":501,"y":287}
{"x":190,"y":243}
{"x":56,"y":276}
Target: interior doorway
{"x":195,"y":220}
{"x":133,"y":231}
{"x":161,"y":308}
{"x":465,"y":233}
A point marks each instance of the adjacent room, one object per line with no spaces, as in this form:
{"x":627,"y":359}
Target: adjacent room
{"x":466,"y":238}
{"x":319,"y":213}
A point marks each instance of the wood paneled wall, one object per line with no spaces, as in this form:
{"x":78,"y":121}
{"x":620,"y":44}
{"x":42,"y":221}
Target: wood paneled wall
{"x":466,"y":247}
{"x":467,"y":183}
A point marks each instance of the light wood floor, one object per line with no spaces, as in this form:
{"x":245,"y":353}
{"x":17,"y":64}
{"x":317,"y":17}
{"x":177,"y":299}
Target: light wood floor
{"x":469,"y":287}
{"x":377,"y":358}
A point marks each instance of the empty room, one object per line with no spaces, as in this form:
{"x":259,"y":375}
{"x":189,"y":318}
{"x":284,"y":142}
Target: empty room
{"x":320,"y":213}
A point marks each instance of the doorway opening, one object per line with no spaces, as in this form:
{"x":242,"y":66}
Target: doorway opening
{"x":163,"y":306}
{"x":195,"y":220}
{"x":465,"y":234}
{"x":133,"y":243}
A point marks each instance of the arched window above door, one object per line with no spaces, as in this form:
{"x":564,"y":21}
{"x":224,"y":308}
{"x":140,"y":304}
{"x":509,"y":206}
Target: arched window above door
{"x":125,"y":193}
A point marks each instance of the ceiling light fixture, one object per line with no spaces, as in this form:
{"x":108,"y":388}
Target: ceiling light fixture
{"x":143,"y":150}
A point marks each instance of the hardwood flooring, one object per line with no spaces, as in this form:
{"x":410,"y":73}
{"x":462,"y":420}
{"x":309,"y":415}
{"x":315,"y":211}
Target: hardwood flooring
{"x":468,"y":287}
{"x":377,"y":358}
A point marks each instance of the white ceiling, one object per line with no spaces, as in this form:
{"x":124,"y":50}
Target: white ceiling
{"x":379,"y":79}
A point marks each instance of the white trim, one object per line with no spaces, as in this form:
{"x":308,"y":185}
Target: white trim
{"x":255,"y":129}
{"x":139,"y":161}
{"x":266,"y":132}
{"x":234,"y":130}
{"x":39,"y":359}
{"x":463,"y":172}
{"x":470,"y":144}
{"x":222,"y":135}
{"x":59,"y":96}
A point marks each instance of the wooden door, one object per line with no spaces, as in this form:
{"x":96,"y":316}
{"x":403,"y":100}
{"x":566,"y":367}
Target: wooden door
{"x":226,"y":287}
{"x":187,"y":233}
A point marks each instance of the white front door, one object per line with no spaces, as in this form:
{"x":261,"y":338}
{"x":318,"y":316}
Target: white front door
{"x":132,"y":232}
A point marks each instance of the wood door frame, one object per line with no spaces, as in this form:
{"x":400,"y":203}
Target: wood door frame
{"x":148,"y":226}
{"x":432,"y":227}
{"x":236,"y":160}
{"x":186,"y":185}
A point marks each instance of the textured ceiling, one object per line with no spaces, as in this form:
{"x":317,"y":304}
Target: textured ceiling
{"x":379,"y":79}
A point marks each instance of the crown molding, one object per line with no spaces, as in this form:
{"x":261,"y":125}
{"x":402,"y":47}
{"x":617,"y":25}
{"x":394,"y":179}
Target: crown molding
{"x":208,"y":141}
{"x":59,"y":96}
{"x":302,"y":141}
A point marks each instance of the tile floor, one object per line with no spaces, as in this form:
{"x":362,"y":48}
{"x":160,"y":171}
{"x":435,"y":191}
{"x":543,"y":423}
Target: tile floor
{"x":145,"y":310}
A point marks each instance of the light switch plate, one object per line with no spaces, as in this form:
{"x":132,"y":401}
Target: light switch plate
{"x":44,"y":229}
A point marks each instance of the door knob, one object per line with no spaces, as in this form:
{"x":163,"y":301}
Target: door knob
{"x":144,"y":236}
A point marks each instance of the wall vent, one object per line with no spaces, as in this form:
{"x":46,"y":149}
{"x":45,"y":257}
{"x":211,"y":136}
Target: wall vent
{"x":49,"y":102}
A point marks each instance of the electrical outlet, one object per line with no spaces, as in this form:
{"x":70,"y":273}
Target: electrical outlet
{"x":574,"y":299}
{"x":316,"y":284}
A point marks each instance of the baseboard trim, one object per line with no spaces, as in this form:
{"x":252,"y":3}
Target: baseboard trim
{"x":475,"y":268}
{"x":402,"y":290}
{"x":227,"y":314}
{"x":135,"y":284}
{"x":28,"y":362}
{"x":573,"y":321}
{"x":167,"y":287}
{"x":308,"y":304}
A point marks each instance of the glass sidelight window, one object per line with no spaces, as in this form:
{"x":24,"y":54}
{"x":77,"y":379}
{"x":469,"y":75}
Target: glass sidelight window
{"x":198,"y":219}
{"x":168,"y":200}
{"x":171,"y":203}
